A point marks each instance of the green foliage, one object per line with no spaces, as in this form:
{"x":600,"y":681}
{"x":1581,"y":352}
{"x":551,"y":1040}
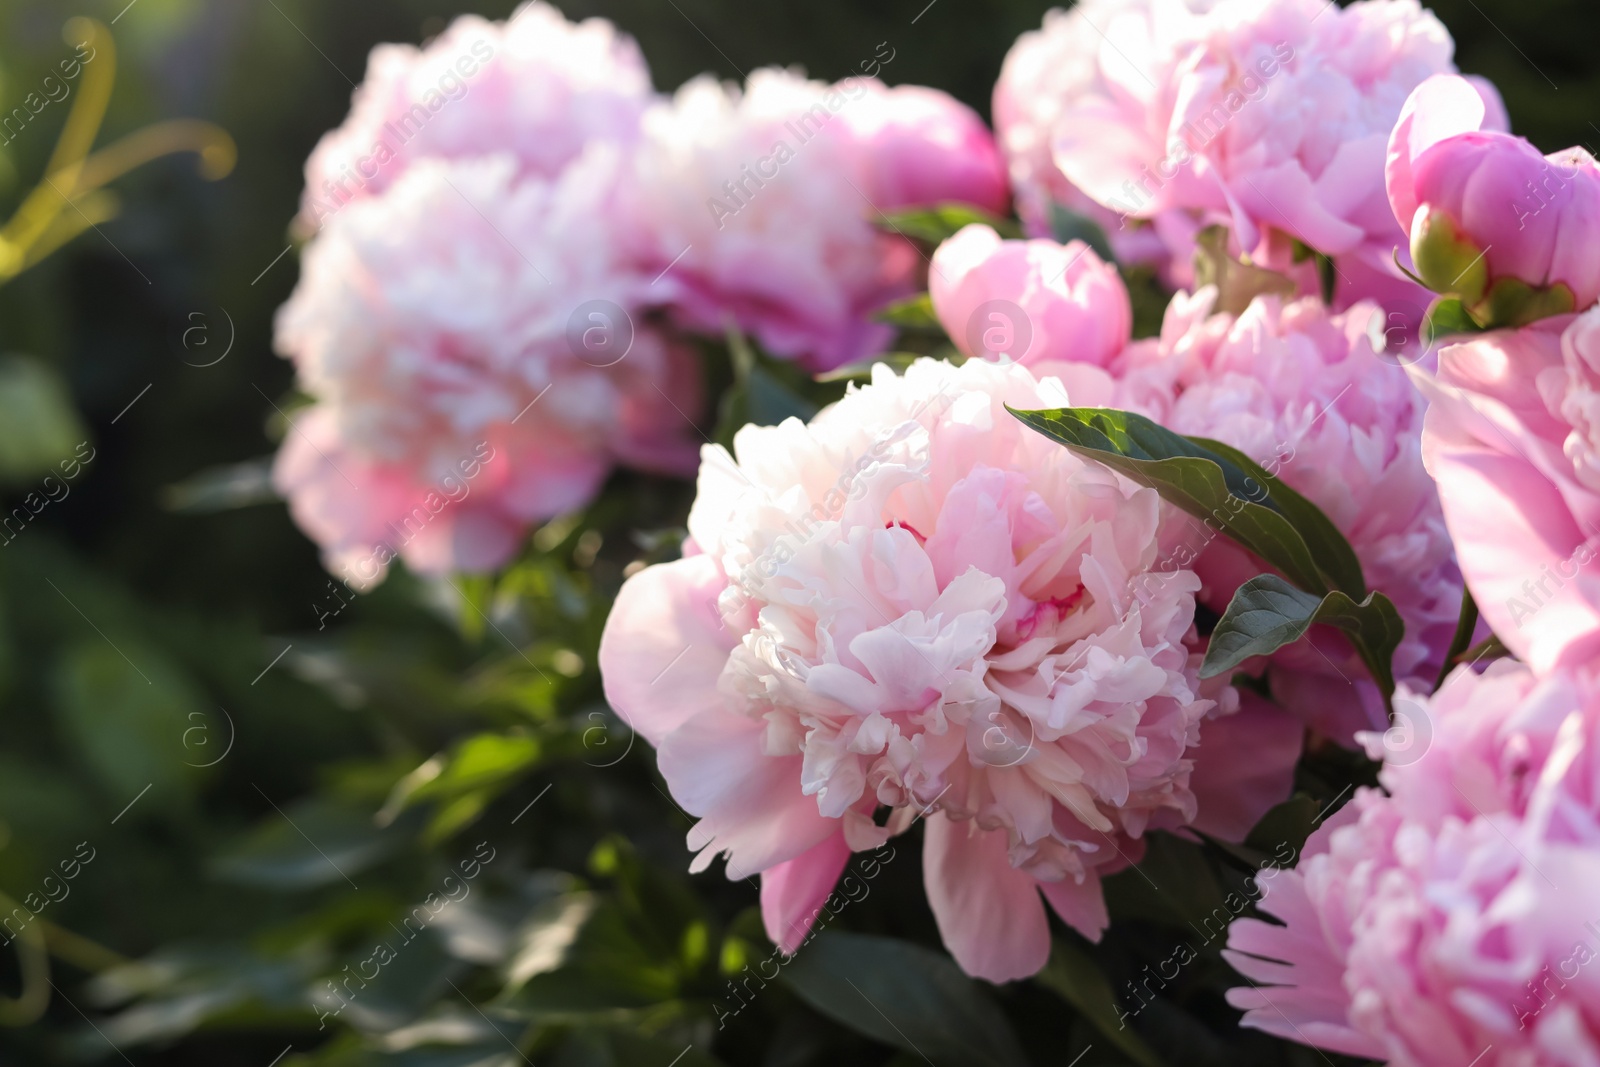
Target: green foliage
{"x":904,"y":996}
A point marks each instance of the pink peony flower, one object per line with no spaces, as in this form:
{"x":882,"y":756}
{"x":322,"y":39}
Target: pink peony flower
{"x":536,"y":86}
{"x":1307,"y":395}
{"x":1044,"y":72}
{"x":1454,"y":920}
{"x":1491,"y":220}
{"x":1031,"y":301}
{"x":1511,"y":435}
{"x":760,"y":205}
{"x":915,"y":603}
{"x":429,"y":323}
{"x":1270,"y":116}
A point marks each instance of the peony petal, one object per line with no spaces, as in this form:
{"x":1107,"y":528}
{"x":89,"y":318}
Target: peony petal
{"x":793,"y":892}
{"x":664,"y":646}
{"x":989,"y":913}
{"x":1244,"y":766}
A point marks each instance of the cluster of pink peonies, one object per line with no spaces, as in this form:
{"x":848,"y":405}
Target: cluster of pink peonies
{"x":1451,"y":917}
{"x":914,"y":609}
{"x":1311,"y":395}
{"x":970,"y":629}
{"x":512,"y":209}
{"x":1269,"y":116}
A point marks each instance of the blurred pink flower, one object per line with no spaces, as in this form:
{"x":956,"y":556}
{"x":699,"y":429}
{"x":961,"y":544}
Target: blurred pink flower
{"x":429,"y":323}
{"x":1490,"y":219}
{"x":1453,"y":921}
{"x":1513,"y":437}
{"x":1031,"y":301}
{"x":760,"y":205}
{"x":1306,"y":394}
{"x":917,"y":602}
{"x":1270,"y":116}
{"x":535,"y":86}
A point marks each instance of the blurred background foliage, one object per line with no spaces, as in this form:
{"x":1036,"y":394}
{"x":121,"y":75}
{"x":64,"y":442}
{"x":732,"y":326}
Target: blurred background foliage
{"x":266,"y":781}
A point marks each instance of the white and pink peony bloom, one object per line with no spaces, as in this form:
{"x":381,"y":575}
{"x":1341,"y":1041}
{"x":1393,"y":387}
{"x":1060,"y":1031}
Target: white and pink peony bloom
{"x":536,"y":87}
{"x":915,"y":608}
{"x":761,"y":205}
{"x":1453,"y":921}
{"x":429,"y":323}
{"x":1310,"y":396}
{"x":1031,"y":301}
{"x":1270,"y":116}
{"x":1513,"y":437}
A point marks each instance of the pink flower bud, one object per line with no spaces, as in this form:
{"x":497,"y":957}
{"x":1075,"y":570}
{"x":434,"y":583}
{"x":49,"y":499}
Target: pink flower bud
{"x":1491,"y":221}
{"x":1029,"y":301}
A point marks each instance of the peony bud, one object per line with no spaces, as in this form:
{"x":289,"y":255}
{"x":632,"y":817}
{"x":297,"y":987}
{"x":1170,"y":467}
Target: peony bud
{"x":1029,"y":301}
{"x":1492,"y":222}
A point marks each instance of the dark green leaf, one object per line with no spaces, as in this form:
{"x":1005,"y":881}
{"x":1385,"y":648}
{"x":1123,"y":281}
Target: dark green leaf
{"x":1466,"y":623}
{"x":938,"y":223}
{"x":305,"y":845}
{"x":1190,"y":475}
{"x":1268,"y":613}
{"x":1328,"y":545}
{"x":1075,"y":976}
{"x":904,"y":996}
{"x":1067,"y":225}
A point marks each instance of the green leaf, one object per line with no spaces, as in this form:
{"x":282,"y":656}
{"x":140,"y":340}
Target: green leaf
{"x":1268,"y":613}
{"x":1067,"y":226}
{"x":912,"y":313}
{"x":302,"y":846}
{"x":129,"y":712}
{"x":1076,"y":978}
{"x":904,"y":996}
{"x":1191,"y":475}
{"x":39,"y":427}
{"x":1327,"y":543}
{"x":938,"y":223}
{"x":1466,"y":623}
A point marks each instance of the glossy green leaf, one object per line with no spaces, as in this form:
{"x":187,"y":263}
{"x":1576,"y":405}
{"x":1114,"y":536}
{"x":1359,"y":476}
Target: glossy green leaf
{"x":1189,"y":474}
{"x":1332,"y":551}
{"x":904,"y":996}
{"x":1268,"y":613}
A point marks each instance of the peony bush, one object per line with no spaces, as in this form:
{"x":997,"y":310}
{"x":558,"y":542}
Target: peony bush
{"x":1171,"y":512}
